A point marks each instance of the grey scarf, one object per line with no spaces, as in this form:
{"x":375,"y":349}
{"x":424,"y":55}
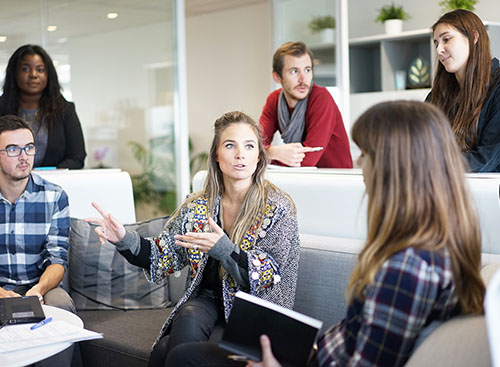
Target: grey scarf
{"x":292,"y":128}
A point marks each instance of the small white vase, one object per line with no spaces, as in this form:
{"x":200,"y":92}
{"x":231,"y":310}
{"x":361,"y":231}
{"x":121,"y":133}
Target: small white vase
{"x":327,"y":35}
{"x":393,"y":26}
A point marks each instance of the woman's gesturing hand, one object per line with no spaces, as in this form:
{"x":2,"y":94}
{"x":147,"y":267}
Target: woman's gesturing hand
{"x":202,"y":241}
{"x":108,"y":228}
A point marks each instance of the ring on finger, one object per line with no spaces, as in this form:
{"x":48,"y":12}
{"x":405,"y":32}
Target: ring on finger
{"x":196,"y":247}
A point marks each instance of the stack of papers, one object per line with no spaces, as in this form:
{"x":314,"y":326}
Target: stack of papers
{"x":17,"y":337}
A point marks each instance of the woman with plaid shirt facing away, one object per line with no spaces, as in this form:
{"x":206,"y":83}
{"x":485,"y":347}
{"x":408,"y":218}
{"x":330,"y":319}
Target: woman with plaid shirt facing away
{"x":421,"y":261}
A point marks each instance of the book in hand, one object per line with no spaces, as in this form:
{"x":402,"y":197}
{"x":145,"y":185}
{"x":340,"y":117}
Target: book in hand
{"x":292,"y":334}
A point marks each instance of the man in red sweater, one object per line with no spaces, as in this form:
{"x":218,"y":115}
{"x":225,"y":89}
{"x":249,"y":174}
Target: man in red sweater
{"x":305,"y":114}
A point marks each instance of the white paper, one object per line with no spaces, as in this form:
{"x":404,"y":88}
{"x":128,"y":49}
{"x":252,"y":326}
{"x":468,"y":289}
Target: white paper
{"x":16,"y":337}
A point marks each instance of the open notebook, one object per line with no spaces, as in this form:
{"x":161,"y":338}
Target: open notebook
{"x":292,"y":334}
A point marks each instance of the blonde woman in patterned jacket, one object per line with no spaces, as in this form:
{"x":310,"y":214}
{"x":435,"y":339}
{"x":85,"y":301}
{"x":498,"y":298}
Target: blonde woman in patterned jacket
{"x":239,"y":233}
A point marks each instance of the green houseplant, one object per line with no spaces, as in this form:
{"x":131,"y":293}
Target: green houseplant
{"x":448,"y":5}
{"x":317,"y":24}
{"x":325,"y":26}
{"x":392,"y":16}
{"x":155,"y":185}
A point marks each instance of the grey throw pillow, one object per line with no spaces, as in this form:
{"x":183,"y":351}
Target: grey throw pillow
{"x":100,"y":278}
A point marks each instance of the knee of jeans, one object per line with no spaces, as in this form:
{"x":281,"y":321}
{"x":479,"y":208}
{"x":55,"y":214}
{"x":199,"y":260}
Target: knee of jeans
{"x":191,"y":311}
{"x":59,"y":298}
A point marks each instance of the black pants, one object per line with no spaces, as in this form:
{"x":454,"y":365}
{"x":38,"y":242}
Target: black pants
{"x":201,"y":355}
{"x":195,"y":321}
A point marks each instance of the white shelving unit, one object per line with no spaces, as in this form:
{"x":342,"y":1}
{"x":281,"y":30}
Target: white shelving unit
{"x":324,"y":63}
{"x":373,"y":61}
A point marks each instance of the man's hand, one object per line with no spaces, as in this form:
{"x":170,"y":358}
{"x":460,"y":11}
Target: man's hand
{"x":268,"y":359}
{"x":290,"y":154}
{"x":35,"y":291}
{"x":5,"y":293}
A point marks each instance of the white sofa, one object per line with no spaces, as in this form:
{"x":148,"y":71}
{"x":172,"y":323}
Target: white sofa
{"x":332,"y":202}
{"x":111,"y":188}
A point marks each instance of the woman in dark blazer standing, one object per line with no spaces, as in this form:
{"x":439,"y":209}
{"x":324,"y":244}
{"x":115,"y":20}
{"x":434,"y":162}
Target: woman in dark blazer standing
{"x":31,"y":90}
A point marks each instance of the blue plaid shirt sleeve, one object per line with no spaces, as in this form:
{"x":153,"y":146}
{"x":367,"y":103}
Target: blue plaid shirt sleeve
{"x":382,"y":330}
{"x":56,"y":247}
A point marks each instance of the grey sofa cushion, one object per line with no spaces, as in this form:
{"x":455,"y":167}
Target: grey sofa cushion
{"x":101,"y":278}
{"x":325,"y":266}
{"x":128,"y":336}
{"x":459,"y":342}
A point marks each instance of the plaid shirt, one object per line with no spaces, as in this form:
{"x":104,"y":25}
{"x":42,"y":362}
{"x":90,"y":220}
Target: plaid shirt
{"x":412,"y":289}
{"x":33,"y":233}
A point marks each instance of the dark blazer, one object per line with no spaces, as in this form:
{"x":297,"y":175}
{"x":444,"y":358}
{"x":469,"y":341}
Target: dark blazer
{"x":485,"y":157}
{"x":65,"y":145}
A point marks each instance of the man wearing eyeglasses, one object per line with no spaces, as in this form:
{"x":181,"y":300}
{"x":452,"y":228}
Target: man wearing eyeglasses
{"x":34,"y":226}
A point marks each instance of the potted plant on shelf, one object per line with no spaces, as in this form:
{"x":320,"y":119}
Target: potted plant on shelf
{"x":449,"y":5}
{"x":392,"y":16}
{"x":325,"y":26}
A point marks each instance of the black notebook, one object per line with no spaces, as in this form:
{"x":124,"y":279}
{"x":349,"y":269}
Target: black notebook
{"x":19,"y":310}
{"x":292,"y":334}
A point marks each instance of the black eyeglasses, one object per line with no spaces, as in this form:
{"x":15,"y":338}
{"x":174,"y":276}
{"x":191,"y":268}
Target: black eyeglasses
{"x":15,"y":151}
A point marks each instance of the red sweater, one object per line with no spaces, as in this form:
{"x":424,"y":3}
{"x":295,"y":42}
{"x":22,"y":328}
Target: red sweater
{"x":324,"y":128}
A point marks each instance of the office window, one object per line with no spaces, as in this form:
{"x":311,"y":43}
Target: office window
{"x":117,"y":61}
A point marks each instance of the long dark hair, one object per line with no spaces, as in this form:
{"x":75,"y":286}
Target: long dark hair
{"x":463,"y":104}
{"x":51,"y":102}
{"x":417,"y":195}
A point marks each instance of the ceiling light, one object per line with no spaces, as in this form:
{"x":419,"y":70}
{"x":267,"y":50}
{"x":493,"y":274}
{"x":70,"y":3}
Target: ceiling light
{"x":112,"y":15}
{"x":3,"y":38}
{"x":51,"y":28}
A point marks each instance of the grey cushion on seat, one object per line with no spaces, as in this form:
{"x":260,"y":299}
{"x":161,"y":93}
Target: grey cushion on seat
{"x":459,"y":342}
{"x":128,"y":336}
{"x":326,"y":263}
{"x":101,"y":278}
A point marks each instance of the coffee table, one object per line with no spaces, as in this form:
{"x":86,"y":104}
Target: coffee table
{"x":31,"y":355}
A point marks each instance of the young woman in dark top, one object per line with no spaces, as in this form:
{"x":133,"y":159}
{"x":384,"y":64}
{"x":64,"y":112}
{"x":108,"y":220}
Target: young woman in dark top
{"x":239,"y":233}
{"x":31,"y":90}
{"x":467,"y":87}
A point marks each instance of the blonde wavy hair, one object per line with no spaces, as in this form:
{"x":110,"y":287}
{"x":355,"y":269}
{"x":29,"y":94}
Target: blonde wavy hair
{"x":417,"y":195}
{"x":254,"y":204}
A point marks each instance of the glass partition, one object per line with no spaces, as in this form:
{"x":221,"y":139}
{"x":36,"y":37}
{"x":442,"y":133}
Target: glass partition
{"x":314,"y":23}
{"x":117,"y":62}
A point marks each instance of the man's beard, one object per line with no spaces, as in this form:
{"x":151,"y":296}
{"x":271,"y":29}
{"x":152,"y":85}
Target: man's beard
{"x":16,"y":178}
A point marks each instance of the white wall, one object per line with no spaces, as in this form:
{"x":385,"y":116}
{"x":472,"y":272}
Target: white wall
{"x":114,"y":88}
{"x":228,"y":65}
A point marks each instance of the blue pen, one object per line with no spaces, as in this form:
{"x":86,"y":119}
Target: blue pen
{"x":41,"y":323}
{"x":48,"y":168}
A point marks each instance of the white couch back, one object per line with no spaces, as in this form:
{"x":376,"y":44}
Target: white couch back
{"x":110,"y":188}
{"x":331,"y":202}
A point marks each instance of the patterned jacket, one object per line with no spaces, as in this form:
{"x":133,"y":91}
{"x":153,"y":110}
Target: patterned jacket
{"x":272,"y":251}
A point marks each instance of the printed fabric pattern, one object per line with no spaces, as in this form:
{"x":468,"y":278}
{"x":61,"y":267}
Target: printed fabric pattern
{"x":271,"y":244}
